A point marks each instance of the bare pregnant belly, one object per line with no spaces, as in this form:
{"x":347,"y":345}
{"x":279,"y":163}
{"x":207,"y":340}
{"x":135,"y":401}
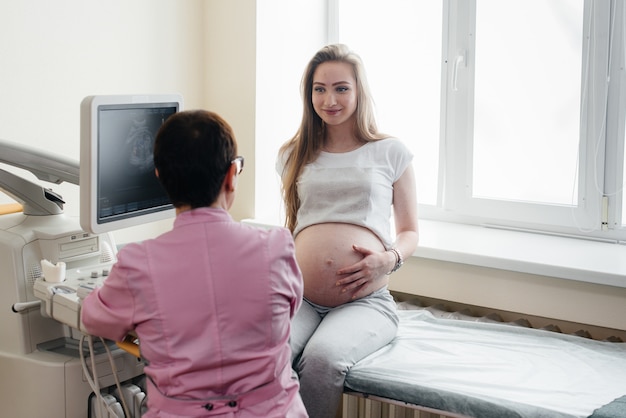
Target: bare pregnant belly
{"x":323,"y":249}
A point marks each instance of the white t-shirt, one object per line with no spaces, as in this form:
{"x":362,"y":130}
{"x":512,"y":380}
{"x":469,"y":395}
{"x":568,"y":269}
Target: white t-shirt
{"x":354,"y":187}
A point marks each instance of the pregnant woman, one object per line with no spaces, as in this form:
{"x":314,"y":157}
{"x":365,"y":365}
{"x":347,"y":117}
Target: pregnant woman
{"x":341,"y":179}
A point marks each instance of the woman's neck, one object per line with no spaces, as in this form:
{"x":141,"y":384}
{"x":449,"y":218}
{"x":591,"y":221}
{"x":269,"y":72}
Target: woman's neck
{"x":340,"y":139}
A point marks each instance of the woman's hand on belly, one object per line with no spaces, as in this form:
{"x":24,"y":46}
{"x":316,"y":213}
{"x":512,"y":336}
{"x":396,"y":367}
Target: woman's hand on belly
{"x":341,"y":262}
{"x":367,"y":275}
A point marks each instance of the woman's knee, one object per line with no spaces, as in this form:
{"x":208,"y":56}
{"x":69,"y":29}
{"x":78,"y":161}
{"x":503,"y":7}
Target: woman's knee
{"x":324,"y":358}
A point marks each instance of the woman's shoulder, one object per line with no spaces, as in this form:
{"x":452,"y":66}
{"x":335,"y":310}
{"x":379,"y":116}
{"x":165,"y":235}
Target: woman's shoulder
{"x":281,"y":159}
{"x":391,"y":144}
{"x":394,"y":153}
{"x":389,"y":141}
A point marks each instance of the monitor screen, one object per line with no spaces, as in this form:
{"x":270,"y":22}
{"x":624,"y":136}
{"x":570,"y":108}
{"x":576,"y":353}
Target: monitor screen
{"x":118,"y":185}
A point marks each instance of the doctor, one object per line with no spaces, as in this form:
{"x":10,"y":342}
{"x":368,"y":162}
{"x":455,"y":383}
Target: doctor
{"x":211,"y":300}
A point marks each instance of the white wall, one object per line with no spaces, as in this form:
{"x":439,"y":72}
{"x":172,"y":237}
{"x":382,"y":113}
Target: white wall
{"x":520,"y":293}
{"x":229,"y":66}
{"x":55,"y":53}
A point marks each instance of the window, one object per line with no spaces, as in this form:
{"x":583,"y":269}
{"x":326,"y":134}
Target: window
{"x":527,"y":93}
{"x":504,"y":104}
{"x":507,"y":105}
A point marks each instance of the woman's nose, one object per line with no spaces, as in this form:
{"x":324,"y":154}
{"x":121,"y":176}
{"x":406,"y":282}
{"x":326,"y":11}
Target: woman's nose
{"x":330,"y":100}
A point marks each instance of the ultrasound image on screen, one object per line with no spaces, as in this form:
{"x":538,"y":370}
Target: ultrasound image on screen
{"x":127,"y":184}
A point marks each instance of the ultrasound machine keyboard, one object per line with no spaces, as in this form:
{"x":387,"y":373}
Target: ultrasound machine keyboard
{"x":62,"y":301}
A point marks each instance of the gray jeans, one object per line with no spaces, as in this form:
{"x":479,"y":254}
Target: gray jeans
{"x":327,"y":342}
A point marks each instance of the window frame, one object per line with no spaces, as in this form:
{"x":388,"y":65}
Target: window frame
{"x":458,"y":140}
{"x":616,"y":123}
{"x":601,"y":143}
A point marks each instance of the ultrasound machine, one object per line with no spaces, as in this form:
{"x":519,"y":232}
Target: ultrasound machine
{"x":49,"y":261}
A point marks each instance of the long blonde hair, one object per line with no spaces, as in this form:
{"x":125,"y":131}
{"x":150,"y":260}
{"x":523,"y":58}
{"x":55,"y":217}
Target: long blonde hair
{"x":305,"y":145}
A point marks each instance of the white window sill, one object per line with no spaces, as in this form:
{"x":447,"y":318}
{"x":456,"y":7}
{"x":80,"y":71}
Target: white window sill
{"x":526,"y":252}
{"x":554,"y":256}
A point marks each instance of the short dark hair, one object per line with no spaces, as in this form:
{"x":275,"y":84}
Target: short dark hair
{"x":193,"y":151}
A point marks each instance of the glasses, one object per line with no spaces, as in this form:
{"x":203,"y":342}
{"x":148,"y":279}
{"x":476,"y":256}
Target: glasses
{"x":239,"y":162}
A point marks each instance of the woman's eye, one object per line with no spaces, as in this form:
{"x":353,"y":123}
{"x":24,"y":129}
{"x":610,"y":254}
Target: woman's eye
{"x":342,"y":89}
{"x":318,"y":89}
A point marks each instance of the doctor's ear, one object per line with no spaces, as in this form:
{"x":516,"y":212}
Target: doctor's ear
{"x":156,"y":172}
{"x":230,"y":181}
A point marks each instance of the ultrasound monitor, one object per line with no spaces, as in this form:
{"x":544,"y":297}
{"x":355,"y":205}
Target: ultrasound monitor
{"x":118,"y":185}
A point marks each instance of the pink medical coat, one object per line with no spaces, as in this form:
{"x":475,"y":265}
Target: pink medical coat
{"x":211,"y":301}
